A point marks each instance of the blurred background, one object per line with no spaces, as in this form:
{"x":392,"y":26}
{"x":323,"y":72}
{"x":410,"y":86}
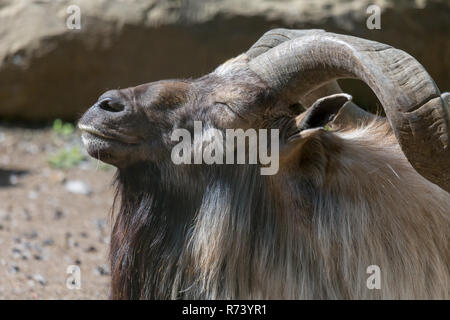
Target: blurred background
{"x":55,"y":200}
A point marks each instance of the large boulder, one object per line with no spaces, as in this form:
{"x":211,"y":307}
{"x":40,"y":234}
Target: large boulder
{"x":48,"y":70}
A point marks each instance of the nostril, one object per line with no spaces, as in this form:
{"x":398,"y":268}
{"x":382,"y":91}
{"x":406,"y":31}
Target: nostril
{"x":111,"y":105}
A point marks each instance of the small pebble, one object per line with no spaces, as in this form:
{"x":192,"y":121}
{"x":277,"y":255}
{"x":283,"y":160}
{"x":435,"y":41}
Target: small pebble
{"x":14,"y":268}
{"x":91,"y":249}
{"x":37,"y":257}
{"x":31,"y":235}
{"x":33,"y":195}
{"x":13,"y":179}
{"x":58,"y":214}
{"x":40,"y":279}
{"x":17,"y":253}
{"x":102,"y":270}
{"x":101,"y":224}
{"x":77,"y":187}
{"x":48,"y":242}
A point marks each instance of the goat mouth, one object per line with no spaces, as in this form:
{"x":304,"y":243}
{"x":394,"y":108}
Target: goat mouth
{"x":95,"y":132}
{"x":88,"y":130}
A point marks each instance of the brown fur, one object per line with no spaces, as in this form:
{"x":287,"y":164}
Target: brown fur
{"x":348,"y":200}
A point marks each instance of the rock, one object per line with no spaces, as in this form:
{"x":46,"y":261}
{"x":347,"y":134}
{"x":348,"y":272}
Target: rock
{"x":91,"y":249}
{"x":13,"y":179}
{"x":69,"y":241}
{"x":32,"y":195}
{"x":102,"y":270}
{"x":40,"y":279}
{"x":83,"y":234}
{"x":48,"y":242}
{"x":58,"y":214}
{"x":14,"y":268}
{"x":31,"y":235}
{"x":101,"y":224}
{"x":16,"y":253}
{"x":42,"y":61}
{"x":27,"y":245}
{"x":77,"y":187}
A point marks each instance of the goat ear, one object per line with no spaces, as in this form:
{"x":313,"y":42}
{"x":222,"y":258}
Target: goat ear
{"x":323,"y":111}
{"x":313,"y":121}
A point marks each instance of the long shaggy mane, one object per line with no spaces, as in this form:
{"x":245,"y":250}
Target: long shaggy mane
{"x":309,"y":232}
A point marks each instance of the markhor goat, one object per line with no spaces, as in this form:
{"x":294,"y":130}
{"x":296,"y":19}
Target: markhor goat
{"x":353,"y":189}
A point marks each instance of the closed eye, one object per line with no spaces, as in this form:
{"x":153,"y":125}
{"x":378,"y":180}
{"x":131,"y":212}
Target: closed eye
{"x":231,"y":109}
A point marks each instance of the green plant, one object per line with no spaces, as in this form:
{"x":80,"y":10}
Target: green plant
{"x":66,"y":158}
{"x":63,"y":129}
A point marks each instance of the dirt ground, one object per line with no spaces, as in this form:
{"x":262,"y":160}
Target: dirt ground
{"x":45,"y":226}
